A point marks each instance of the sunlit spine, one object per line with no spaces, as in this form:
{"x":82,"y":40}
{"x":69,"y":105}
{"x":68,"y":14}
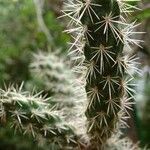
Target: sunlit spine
{"x":100,"y":33}
{"x":34,"y":116}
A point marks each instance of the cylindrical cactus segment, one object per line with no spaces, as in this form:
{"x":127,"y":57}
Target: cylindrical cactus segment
{"x":100,"y":31}
{"x":99,"y":34}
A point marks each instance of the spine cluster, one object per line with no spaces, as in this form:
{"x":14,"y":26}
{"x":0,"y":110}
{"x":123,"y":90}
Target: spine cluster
{"x":35,"y":116}
{"x":101,"y":32}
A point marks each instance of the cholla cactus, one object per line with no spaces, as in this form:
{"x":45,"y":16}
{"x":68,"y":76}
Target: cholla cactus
{"x":53,"y":72}
{"x":101,"y":32}
{"x":117,"y":143}
{"x":56,"y":77}
{"x":34,"y":115}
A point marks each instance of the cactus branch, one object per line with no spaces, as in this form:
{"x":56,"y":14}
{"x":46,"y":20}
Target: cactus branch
{"x":34,"y":116}
{"x":100,"y":33}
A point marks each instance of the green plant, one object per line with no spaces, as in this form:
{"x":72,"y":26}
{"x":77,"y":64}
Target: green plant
{"x":101,"y":33}
{"x":28,"y":36}
{"x":51,"y":70}
{"x":35,"y":116}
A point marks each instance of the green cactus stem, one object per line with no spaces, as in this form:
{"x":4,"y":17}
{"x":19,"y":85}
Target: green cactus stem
{"x":100,"y":33}
{"x":35,"y":116}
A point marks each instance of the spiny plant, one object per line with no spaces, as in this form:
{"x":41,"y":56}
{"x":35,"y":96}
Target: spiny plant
{"x":117,"y":143}
{"x":101,"y":33}
{"x":56,"y":77}
{"x":35,"y":119}
{"x":52,"y":70}
{"x":35,"y":116}
{"x":106,"y":83}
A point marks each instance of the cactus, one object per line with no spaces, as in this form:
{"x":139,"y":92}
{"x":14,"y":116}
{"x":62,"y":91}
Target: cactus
{"x":117,"y":143}
{"x":53,"y":72}
{"x":100,"y":33}
{"x":54,"y":75}
{"x":35,"y":116}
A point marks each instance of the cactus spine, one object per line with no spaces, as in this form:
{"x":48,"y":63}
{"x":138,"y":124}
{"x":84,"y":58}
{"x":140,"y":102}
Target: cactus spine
{"x":35,"y":116}
{"x":100,"y":33}
{"x":103,"y":81}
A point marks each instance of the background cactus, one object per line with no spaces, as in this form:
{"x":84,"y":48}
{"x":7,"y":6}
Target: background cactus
{"x":35,"y":116}
{"x":52,"y":73}
{"x":101,"y":33}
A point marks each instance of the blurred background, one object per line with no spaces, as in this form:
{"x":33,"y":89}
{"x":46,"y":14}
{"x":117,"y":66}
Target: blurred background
{"x":33,"y":49}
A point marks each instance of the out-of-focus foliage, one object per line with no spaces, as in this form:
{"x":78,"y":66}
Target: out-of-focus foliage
{"x":143,"y":108}
{"x":10,"y":141}
{"x":20,"y":35}
{"x":17,"y":28}
{"x":143,"y":96}
{"x":145,"y":119}
{"x":144,"y":13}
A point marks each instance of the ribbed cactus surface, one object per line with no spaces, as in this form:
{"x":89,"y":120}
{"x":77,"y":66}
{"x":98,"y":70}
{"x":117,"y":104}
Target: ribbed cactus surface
{"x":100,"y":33}
{"x":103,"y":80}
